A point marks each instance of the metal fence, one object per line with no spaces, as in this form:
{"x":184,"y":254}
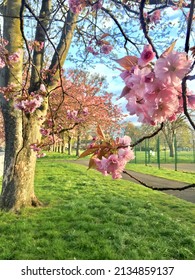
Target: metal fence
{"x":159,"y":153}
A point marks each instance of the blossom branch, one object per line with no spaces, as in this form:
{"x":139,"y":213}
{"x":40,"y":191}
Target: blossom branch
{"x":159,"y":189}
{"x":145,"y":28}
{"x":184,"y":89}
{"x":148,"y":136}
{"x":190,"y":19}
{"x":25,"y":40}
{"x":120,"y":28}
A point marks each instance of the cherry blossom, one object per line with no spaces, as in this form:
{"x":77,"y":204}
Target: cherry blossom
{"x":111,"y":157}
{"x":106,"y":49}
{"x":153,"y":90}
{"x":90,"y":49}
{"x":76,"y":6}
{"x":146,"y":56}
{"x":155,"y":17}
{"x":29,"y":105}
{"x":172,"y":68}
{"x":97,"y":5}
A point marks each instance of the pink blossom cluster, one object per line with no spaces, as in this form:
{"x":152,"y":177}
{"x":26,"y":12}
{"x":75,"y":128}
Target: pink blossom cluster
{"x":8,"y":92}
{"x":155,"y":17}
{"x":100,"y":45}
{"x":90,"y":49}
{"x":35,"y":147}
{"x":153,"y":91}
{"x":44,"y":131}
{"x":29,"y":105}
{"x":115,"y":163}
{"x":5,"y":57}
{"x":77,"y":115}
{"x":97,"y":5}
{"x":104,"y":48}
{"x":76,"y":6}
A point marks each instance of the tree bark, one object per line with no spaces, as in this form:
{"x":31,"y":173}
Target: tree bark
{"x":78,"y":145}
{"x":69,"y":145}
{"x":21,"y":130}
{"x":19,"y":165}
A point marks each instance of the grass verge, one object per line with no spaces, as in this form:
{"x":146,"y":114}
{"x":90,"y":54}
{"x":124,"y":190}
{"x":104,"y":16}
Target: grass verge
{"x":88,"y":216}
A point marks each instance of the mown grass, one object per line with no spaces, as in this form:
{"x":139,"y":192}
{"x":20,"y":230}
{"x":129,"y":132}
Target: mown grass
{"x":182,"y":157}
{"x":88,"y":216}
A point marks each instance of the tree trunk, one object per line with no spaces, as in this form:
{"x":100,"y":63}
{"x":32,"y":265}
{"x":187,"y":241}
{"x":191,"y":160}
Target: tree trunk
{"x":69,"y":145}
{"x":20,"y":130}
{"x":63,"y":143}
{"x":20,"y":160}
{"x":171,"y":149}
{"x":78,"y":146}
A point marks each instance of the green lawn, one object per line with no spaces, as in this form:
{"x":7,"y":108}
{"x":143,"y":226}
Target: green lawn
{"x":182,"y":157}
{"x":88,"y":216}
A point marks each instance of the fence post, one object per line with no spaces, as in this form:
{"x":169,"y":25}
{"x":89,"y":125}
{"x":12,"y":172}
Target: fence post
{"x":165,"y":152}
{"x":175,"y":146}
{"x":148,"y":150}
{"x":145,"y":152}
{"x":135,"y":155}
{"x":158,"y":152}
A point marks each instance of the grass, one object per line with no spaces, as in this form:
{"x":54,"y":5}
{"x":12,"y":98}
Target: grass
{"x":88,"y":216}
{"x":182,"y":157}
{"x":187,"y":177}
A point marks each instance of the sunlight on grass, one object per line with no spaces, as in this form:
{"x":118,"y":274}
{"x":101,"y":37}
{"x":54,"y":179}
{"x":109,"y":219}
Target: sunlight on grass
{"x":88,"y":216}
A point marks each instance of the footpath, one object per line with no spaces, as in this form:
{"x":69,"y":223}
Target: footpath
{"x":157,"y":182}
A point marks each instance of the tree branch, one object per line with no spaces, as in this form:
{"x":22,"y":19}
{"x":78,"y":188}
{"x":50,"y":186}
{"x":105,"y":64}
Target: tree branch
{"x":190,"y":20}
{"x":40,"y":36}
{"x":148,"y":136}
{"x":120,"y":28}
{"x":145,"y":28}
{"x":63,"y":47}
{"x":160,"y":189}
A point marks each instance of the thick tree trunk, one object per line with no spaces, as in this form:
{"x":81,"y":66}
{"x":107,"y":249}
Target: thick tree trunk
{"x":20,"y":161}
{"x":21,"y":130}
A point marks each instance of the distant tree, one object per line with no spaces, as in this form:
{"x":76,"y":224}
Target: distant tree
{"x":181,"y":129}
{"x":85,"y":105}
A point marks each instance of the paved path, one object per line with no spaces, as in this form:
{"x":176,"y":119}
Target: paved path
{"x":186,"y":167}
{"x":158,"y":182}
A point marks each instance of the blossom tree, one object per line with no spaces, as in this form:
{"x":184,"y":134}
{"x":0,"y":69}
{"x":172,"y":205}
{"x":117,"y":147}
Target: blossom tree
{"x":34,"y":46}
{"x":85,"y":105}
